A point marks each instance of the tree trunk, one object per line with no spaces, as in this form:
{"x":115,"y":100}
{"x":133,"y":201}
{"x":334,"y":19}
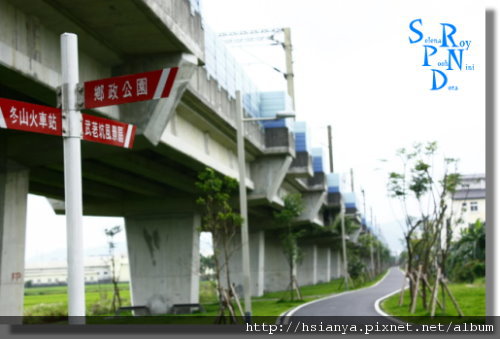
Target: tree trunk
{"x":410,"y":264}
{"x":290,"y":265}
{"x":218,"y":277}
{"x":424,"y":290}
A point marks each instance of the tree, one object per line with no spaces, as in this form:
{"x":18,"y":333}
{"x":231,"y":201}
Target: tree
{"x":467,"y":259}
{"x":219,"y":219}
{"x":110,"y":233}
{"x":289,"y":239}
{"x":207,"y":265}
{"x":423,"y":196}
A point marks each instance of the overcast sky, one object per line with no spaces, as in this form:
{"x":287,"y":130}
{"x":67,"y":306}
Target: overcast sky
{"x":356,"y":70}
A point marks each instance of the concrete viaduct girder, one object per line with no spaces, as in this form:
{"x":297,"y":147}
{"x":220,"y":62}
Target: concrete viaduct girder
{"x":152,"y":186}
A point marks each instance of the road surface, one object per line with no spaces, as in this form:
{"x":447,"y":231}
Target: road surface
{"x":352,"y":303}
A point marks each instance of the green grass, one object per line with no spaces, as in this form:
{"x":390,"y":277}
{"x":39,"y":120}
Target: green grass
{"x":62,"y":289}
{"x":471,"y":299}
{"x":208,"y":294}
{"x":275,"y":303}
{"x":53,"y":300}
{"x":272,"y":304}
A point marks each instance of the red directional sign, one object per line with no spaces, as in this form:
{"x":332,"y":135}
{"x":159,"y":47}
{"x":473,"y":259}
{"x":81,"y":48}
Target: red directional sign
{"x":24,"y":116}
{"x":29,"y":117}
{"x":107,"y":131}
{"x":129,"y":88}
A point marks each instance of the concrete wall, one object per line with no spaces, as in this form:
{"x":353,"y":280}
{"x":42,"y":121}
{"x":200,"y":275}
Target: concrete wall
{"x":466,"y":215}
{"x":180,"y":18}
{"x":32,"y":50}
{"x":277,"y":273}
{"x":196,"y":142}
{"x":307,"y":273}
{"x":223,"y":105}
{"x":323,"y":264}
{"x":13,"y":202}
{"x":336,"y":263}
{"x":164,"y":260}
{"x":257,"y":260}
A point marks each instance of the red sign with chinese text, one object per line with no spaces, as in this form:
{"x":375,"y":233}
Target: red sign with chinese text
{"x":107,"y":131}
{"x":28,"y":117}
{"x":129,"y":88}
{"x":24,"y":116}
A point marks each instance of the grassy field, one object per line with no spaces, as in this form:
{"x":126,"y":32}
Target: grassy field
{"x":273,"y":304}
{"x":471,"y":299}
{"x":52,"y":301}
{"x":270,"y":305}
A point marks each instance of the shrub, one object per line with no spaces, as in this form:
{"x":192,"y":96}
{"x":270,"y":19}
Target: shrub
{"x":355,"y":267}
{"x":49,"y":310}
{"x":469,"y":271}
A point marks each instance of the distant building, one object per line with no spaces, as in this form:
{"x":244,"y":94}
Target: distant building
{"x":469,"y":201}
{"x":97,"y":270}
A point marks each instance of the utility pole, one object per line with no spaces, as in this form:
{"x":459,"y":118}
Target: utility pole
{"x":262,"y":35}
{"x":352,"y":180}
{"x":330,"y":148}
{"x":378,"y":251}
{"x":370,"y":239}
{"x":371,"y":242}
{"x":245,"y":247}
{"x":344,"y":249}
{"x":364,"y":203}
{"x":287,"y":45}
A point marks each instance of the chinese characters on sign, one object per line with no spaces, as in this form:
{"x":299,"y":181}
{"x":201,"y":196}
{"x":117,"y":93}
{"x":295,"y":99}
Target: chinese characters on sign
{"x":29,"y":117}
{"x":107,"y":131}
{"x":48,"y":120}
{"x":129,"y":88}
{"x":105,"y":92}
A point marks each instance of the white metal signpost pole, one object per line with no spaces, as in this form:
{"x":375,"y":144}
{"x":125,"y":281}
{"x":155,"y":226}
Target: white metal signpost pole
{"x":72,"y":132}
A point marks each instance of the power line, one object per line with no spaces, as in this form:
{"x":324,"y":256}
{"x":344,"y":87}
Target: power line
{"x":250,"y":32}
{"x":262,"y":61}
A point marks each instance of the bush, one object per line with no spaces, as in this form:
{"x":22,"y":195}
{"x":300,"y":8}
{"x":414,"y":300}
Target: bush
{"x":355,"y":267}
{"x":469,"y":271}
{"x":100,"y":307}
{"x":49,"y":310}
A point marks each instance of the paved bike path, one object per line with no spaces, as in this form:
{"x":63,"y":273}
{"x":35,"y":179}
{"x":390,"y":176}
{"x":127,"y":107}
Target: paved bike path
{"x":353,"y":303}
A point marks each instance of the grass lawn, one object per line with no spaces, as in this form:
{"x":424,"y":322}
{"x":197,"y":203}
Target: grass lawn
{"x":52,"y":301}
{"x":273,"y":304}
{"x":471,"y":299}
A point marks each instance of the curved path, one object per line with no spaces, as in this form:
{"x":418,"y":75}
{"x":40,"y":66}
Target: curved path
{"x":352,"y":303}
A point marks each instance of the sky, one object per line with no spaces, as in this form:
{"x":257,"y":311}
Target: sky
{"x":356,"y":70}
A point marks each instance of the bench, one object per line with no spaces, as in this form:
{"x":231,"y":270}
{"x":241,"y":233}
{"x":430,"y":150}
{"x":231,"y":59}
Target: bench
{"x":186,"y":308}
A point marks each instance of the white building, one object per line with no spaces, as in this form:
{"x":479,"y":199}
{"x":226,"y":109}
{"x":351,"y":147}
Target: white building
{"x":97,"y":269}
{"x":469,"y":201}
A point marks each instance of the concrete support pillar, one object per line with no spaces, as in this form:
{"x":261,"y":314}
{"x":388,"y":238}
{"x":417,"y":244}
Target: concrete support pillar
{"x":307,"y":272}
{"x":257,"y":255}
{"x":14,"y":183}
{"x":336,"y":264}
{"x":277,"y":271}
{"x":324,"y":264}
{"x":257,"y":244}
{"x":164,"y":260}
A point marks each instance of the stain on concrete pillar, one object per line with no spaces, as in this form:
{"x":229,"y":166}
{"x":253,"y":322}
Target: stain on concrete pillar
{"x":33,"y":28}
{"x":153,"y":242}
